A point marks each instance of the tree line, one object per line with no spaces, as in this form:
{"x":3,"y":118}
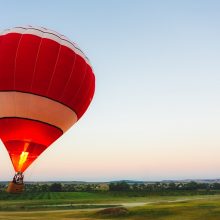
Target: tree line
{"x":160,"y":186}
{"x":118,"y":186}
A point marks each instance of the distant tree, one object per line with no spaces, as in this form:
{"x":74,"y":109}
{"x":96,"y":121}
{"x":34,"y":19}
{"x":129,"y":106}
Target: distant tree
{"x":180,"y":186}
{"x":45,"y":188}
{"x":89,"y":188}
{"x":216,"y":186}
{"x":203,"y":186}
{"x":111,"y":186}
{"x":172,"y":186}
{"x":192,"y":185}
{"x":135,"y":187}
{"x":149,"y":187}
{"x":119,"y":186}
{"x":69,"y":187}
{"x":55,"y":187}
{"x":32,"y":188}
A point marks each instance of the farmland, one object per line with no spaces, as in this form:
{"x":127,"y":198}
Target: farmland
{"x":119,"y":205}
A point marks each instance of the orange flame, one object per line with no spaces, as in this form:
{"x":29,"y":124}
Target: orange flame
{"x":23,"y":157}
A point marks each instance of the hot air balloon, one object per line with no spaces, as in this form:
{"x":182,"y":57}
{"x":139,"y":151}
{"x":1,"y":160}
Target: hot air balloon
{"x":46,"y":85}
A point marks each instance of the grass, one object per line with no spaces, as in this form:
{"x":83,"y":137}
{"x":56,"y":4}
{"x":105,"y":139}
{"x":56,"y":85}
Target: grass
{"x":87,"y":206}
{"x":192,"y":210}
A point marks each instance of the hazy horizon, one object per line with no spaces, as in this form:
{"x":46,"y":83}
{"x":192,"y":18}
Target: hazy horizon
{"x":156,"y":109}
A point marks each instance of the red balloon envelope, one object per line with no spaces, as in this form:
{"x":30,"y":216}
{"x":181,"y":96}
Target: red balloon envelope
{"x":46,"y":85}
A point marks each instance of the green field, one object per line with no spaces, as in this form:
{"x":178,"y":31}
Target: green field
{"x":85,"y":205}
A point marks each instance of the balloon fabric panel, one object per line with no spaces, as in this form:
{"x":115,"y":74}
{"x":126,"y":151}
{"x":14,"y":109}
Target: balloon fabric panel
{"x":8,"y":49}
{"x":45,"y":64}
{"x":62,"y":72}
{"x":25,"y":62}
{"x":16,"y":133}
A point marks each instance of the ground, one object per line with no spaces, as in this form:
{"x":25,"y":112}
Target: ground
{"x":90,"y":206}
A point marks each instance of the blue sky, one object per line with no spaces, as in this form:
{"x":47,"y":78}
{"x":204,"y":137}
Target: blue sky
{"x":156,"y":110}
